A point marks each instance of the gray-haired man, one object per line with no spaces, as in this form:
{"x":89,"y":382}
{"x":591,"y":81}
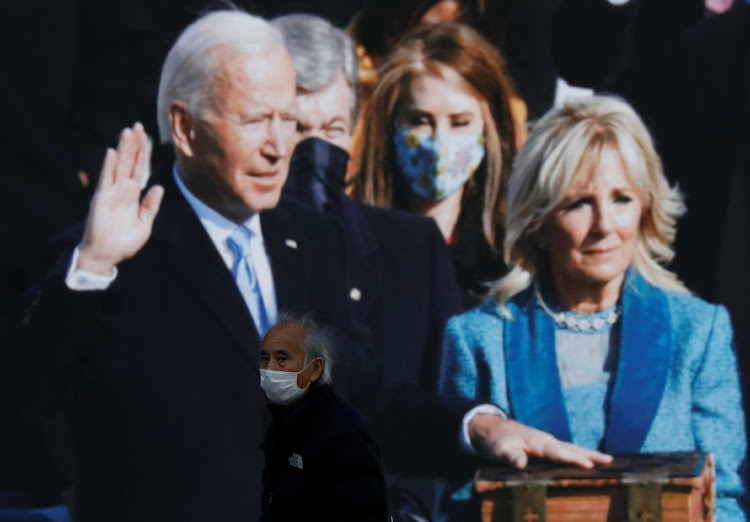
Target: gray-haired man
{"x":321,"y":463}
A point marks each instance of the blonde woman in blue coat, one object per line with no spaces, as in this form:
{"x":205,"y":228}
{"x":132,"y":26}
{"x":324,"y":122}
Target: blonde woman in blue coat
{"x":589,"y":338}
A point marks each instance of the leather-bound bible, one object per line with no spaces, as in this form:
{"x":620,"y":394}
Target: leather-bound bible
{"x":643,"y":488}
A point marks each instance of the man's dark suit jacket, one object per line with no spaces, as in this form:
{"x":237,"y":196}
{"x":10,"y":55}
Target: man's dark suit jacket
{"x":400,"y":270}
{"x":166,"y":407}
{"x":400,"y":278}
{"x":321,"y":463}
{"x":402,"y":288}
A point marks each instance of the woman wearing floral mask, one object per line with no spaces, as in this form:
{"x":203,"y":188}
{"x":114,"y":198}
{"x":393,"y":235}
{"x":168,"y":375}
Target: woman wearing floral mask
{"x":439,"y":140}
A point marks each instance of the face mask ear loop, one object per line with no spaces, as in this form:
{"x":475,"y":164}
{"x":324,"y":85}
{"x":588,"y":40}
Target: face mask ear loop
{"x":305,"y":368}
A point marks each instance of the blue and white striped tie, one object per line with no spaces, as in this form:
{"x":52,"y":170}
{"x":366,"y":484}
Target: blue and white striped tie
{"x":244,"y":275}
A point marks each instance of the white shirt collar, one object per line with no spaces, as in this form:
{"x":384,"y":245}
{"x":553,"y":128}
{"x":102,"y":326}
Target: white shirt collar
{"x":217,"y":226}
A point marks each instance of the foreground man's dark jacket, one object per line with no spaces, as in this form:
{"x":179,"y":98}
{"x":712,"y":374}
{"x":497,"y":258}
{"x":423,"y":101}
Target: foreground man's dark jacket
{"x":321,"y":463}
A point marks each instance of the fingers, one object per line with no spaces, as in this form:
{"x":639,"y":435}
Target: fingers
{"x":566,"y":452}
{"x":132,"y":158}
{"x":510,"y":449}
{"x":127,"y":151}
{"x":107,"y":175}
{"x":142,"y":171}
{"x":569,"y":454}
{"x":517,"y":458}
{"x":150,"y":204}
{"x":133,"y":155}
{"x":516,"y":442}
{"x":599,"y":458}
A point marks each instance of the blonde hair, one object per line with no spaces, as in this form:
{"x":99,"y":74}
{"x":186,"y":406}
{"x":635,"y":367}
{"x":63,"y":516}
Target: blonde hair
{"x":448,"y":51}
{"x":563,"y":144}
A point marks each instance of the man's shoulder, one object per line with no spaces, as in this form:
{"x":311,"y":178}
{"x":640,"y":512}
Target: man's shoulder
{"x":289,"y":216}
{"x":407,"y":222}
{"x":402,"y":234}
{"x":338,"y":417}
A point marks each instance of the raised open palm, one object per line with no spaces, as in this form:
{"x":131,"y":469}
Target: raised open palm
{"x":119,"y":221}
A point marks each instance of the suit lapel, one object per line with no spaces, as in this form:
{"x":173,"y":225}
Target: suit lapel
{"x":285,"y":246}
{"x":189,"y":254}
{"x":534,"y":385}
{"x":644,"y":362}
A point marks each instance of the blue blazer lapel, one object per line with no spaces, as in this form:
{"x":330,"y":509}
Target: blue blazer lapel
{"x":534,"y":386}
{"x":645,"y":348}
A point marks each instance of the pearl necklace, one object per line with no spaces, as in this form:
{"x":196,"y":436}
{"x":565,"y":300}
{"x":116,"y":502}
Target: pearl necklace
{"x":571,"y":321}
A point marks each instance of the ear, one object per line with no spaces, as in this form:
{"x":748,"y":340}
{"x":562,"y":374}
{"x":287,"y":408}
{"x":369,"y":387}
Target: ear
{"x":317,"y":369}
{"x":183,"y":131}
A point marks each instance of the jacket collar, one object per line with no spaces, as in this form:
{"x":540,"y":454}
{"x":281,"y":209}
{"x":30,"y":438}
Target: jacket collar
{"x":533,"y":379}
{"x":645,"y":358}
{"x":285,"y":239}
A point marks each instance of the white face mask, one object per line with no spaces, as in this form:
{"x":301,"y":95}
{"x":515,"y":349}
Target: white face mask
{"x":281,"y":387}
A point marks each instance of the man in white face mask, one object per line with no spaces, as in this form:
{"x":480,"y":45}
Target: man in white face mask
{"x":321,"y":463}
{"x":285,"y":373}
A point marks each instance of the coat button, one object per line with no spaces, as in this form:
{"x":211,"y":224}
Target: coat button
{"x":355,"y":294}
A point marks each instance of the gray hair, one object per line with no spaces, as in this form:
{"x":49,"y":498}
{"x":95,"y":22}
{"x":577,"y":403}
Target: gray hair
{"x":561,"y":146}
{"x":319,"y":51}
{"x":190,"y":64}
{"x":317,"y":342}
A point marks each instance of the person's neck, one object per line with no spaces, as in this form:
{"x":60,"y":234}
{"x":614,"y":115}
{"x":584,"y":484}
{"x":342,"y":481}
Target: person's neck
{"x":587,"y":298}
{"x":203,"y":189}
{"x":445,"y":212}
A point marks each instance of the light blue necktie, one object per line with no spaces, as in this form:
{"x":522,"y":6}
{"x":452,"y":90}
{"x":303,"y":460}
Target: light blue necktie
{"x":244,"y":275}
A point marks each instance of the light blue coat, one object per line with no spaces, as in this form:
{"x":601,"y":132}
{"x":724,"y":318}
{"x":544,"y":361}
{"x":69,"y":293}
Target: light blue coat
{"x":676,"y":387}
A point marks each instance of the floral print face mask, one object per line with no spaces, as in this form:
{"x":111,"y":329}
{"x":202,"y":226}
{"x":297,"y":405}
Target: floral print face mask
{"x":437,"y":167}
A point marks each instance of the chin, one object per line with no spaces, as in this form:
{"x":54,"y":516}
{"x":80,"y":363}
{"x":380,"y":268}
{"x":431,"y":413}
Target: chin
{"x":604,"y":277}
{"x":260,"y":202}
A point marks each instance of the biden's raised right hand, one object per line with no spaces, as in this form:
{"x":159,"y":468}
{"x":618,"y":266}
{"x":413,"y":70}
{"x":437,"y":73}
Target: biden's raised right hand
{"x":119,"y":221}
